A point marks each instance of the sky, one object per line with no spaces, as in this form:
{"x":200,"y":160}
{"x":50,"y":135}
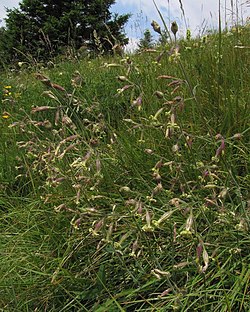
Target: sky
{"x":199,"y":15}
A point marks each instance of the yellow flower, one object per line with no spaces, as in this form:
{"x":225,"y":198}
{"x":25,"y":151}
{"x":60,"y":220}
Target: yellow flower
{"x":7,"y":87}
{"x":5,"y":115}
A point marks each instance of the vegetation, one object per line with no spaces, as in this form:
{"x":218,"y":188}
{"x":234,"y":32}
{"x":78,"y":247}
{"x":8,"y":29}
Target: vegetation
{"x":44,"y":29}
{"x":147,"y":41}
{"x":125,"y":181}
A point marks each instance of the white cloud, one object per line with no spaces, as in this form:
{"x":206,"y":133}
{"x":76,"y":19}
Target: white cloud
{"x":132,"y":44}
{"x":198,"y":13}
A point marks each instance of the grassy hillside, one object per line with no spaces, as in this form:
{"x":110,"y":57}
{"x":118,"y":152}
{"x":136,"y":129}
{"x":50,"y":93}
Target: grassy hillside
{"x":125,"y":181}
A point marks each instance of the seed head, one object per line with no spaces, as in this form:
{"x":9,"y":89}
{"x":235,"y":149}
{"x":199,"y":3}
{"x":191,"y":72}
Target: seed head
{"x":174,"y":28}
{"x":156,"y":27}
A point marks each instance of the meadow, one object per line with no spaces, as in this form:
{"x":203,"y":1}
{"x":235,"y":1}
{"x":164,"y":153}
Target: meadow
{"x":124,"y":180}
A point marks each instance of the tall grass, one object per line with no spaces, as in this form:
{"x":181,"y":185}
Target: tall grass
{"x":125,"y":181}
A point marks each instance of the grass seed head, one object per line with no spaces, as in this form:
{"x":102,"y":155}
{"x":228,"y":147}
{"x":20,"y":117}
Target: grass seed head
{"x":156,"y":27}
{"x":174,"y":28}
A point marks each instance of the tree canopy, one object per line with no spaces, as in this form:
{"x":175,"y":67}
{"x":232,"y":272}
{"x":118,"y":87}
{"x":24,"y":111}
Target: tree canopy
{"x":44,"y":28}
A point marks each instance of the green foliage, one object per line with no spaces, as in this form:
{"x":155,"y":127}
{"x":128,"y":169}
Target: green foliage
{"x":147,"y":41}
{"x":125,"y":181}
{"x":43,"y":29}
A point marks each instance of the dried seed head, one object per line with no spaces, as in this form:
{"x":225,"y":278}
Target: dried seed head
{"x":57,"y":87}
{"x":60,"y":208}
{"x":174,"y":28}
{"x":125,"y":189}
{"x":156,"y":27}
{"x":157,"y":189}
{"x":175,"y":148}
{"x":50,"y":95}
{"x":98,"y":165}
{"x":163,"y":218}
{"x":158,"y":273}
{"x":66,"y":121}
{"x":223,"y":193}
{"x":159,"y":94}
{"x":218,"y":136}
{"x":199,"y":249}
{"x":157,"y":177}
{"x":205,"y":260}
{"x":40,"y":109}
{"x":122,"y":78}
{"x":159,"y":164}
{"x":148,"y":151}
{"x":139,"y":207}
{"x":237,"y":136}
{"x":165,"y":292}
{"x":221,"y":149}
{"x":137,"y":102}
{"x":189,"y":223}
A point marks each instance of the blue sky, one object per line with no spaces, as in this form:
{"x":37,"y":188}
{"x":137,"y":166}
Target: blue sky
{"x":199,"y":14}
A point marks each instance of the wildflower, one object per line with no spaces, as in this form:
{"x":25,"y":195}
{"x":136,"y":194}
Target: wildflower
{"x":5,"y":115}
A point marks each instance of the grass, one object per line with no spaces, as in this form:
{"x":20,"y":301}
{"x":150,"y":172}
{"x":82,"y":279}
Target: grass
{"x":125,"y":181}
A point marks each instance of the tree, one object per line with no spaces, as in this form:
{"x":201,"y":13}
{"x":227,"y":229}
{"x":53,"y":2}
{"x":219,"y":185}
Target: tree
{"x":44,"y":28}
{"x":147,"y":41}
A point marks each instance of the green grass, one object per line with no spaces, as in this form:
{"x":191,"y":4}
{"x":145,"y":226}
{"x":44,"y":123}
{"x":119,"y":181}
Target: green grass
{"x":128,"y":199}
